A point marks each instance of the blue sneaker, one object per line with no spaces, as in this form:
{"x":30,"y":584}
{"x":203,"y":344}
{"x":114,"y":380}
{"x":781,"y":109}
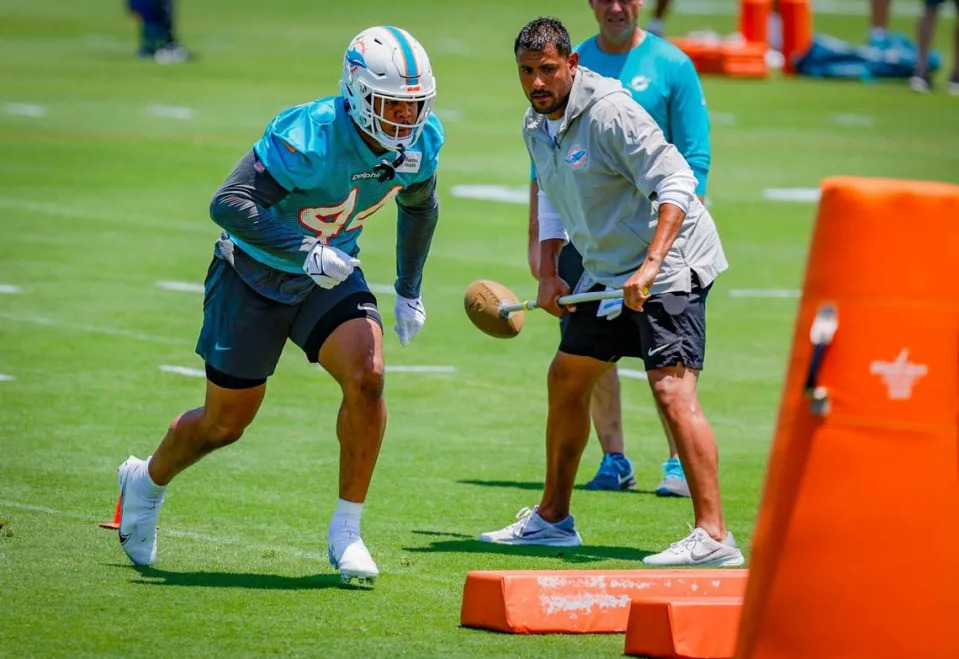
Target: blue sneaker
{"x":674,"y":480}
{"x":615,"y":473}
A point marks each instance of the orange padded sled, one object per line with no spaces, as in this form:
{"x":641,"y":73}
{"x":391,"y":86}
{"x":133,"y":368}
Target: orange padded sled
{"x":580,"y":601}
{"x":856,"y":550}
{"x":701,"y":627}
{"x":745,"y":59}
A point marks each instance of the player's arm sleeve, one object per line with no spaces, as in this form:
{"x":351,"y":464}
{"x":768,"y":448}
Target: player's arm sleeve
{"x":242,"y":207}
{"x":550,"y":222}
{"x":418,"y":210}
{"x":689,"y":120}
{"x":636,"y":148}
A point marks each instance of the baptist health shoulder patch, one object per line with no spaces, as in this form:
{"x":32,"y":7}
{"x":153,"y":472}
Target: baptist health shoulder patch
{"x":412,"y":162}
{"x":577,"y":157}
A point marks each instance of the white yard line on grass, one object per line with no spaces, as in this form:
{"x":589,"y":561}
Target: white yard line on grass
{"x":6,"y":378}
{"x":25,"y":110}
{"x":183,"y":370}
{"x":93,"y":329}
{"x":851,"y":119}
{"x":420,"y":369}
{"x":722,"y":118}
{"x":449,"y":114}
{"x":784,"y":293}
{"x":10,"y":289}
{"x":189,"y":535}
{"x":382,"y":289}
{"x":632,"y":374}
{"x":802,"y":195}
{"x":503,"y":193}
{"x":170,"y":112}
{"x":185,"y":286}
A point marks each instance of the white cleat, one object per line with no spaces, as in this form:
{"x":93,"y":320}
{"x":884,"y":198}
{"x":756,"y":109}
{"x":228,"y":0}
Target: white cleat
{"x":138,"y":513}
{"x":350,"y":556}
{"x":700,"y":550}
{"x":531,"y":529}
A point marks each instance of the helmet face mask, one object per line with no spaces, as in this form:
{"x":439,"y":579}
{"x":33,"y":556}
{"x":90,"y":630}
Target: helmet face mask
{"x":384,"y":65}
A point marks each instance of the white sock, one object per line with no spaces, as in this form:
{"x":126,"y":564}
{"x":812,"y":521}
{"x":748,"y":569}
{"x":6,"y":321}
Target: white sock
{"x":147,"y":486}
{"x":347,"y":515}
{"x":877,"y":33}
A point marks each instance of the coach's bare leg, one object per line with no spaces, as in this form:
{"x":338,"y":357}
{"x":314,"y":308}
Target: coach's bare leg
{"x":570,"y":383}
{"x":353,"y":355}
{"x":606,"y":410}
{"x":675,"y":392}
{"x":225,"y":414}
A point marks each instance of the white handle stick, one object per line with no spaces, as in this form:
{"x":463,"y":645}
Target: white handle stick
{"x":565,"y":300}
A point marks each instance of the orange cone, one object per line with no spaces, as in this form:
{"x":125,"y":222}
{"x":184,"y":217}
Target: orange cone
{"x":796,"y":18}
{"x":115,"y":524}
{"x":856,"y":550}
{"x":754,"y":20}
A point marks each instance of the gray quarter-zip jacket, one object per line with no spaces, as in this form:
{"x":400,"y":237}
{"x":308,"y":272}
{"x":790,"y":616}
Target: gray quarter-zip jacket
{"x":601,"y":172}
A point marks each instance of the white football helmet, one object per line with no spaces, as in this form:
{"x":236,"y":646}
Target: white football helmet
{"x":382,"y":64}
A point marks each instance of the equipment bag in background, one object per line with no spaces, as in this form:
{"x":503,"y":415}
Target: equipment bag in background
{"x":829,"y":57}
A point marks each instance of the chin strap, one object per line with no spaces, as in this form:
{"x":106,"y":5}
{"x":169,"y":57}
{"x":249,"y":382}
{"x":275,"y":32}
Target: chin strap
{"x":386,"y":170}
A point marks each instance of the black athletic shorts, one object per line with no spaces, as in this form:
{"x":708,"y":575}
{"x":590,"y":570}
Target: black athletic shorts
{"x":244,"y":332}
{"x":670,"y":330}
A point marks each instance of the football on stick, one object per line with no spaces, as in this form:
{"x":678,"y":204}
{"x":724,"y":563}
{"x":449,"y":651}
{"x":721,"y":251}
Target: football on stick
{"x":482,"y":301}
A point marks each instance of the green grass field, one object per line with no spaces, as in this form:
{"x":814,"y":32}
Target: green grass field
{"x":103,"y":194}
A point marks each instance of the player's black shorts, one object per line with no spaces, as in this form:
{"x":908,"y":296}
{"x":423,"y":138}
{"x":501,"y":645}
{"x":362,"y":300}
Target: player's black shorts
{"x":936,"y":3}
{"x":244,"y":332}
{"x":670,"y":330}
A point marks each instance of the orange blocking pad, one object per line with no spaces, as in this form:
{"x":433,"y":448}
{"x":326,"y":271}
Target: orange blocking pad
{"x":580,"y":601}
{"x":684,"y":627}
{"x":858,"y":563}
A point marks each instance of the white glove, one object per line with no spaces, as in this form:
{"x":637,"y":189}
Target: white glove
{"x":410,"y":317}
{"x":329,"y":266}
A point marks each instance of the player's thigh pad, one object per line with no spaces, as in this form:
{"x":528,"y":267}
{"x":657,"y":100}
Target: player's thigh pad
{"x":326,"y":309}
{"x":243,"y":332}
{"x":673,"y":327}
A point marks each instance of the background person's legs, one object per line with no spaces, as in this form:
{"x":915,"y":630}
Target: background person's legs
{"x":925,"y":31}
{"x":615,"y":470}
{"x":657,"y":24}
{"x":878,"y":21}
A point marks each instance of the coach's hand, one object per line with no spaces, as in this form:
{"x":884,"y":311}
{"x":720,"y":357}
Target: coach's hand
{"x":636,"y":288}
{"x":329,"y":266}
{"x":410,"y":318}
{"x":551,"y":288}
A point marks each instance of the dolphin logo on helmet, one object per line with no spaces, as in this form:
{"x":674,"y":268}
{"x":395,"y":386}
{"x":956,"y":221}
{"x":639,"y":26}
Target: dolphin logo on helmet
{"x":381,"y":64}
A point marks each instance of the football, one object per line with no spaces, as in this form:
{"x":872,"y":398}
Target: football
{"x":482,"y":301}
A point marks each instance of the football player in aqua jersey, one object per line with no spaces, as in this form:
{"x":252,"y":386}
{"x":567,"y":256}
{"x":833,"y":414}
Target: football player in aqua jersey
{"x":286,"y":267}
{"x":662,"y":79}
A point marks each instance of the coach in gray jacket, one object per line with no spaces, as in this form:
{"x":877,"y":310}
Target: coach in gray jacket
{"x":611,"y":184}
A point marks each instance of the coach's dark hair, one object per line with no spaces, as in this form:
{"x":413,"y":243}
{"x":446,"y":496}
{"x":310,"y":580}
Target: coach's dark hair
{"x":541,"y":32}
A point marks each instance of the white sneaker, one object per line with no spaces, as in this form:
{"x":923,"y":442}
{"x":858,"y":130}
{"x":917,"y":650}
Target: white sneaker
{"x":920,"y":84}
{"x":531,"y":529}
{"x":350,"y":556}
{"x":138,"y":513}
{"x":700,"y":550}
